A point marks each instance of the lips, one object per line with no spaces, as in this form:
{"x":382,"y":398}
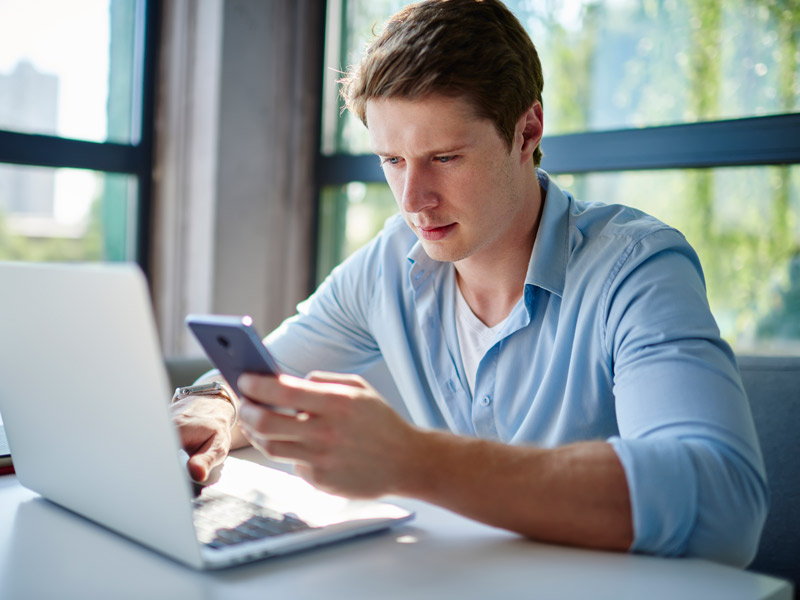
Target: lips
{"x":434,"y":234}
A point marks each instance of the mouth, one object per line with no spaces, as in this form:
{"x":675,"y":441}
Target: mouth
{"x":434,"y":234}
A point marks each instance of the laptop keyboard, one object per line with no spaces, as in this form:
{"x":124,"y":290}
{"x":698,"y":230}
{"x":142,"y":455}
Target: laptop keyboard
{"x":221,"y":520}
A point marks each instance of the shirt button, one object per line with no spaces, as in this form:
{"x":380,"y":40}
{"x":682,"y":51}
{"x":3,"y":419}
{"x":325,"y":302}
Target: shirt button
{"x":485,"y":401}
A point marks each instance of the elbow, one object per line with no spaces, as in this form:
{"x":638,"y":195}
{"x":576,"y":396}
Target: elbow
{"x":695,"y":498}
{"x":731,"y":512}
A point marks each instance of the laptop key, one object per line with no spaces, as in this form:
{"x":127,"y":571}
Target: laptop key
{"x":222,"y":520}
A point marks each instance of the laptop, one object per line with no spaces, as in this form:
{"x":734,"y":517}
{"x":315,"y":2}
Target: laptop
{"x":84,"y":399}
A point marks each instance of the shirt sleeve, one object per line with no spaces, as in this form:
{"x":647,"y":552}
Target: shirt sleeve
{"x":331,"y":328}
{"x":687,"y":440}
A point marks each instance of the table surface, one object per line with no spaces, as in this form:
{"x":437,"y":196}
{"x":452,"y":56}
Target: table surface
{"x":48,"y":552}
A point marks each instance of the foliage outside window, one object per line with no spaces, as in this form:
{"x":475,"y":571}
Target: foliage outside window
{"x":618,"y":64}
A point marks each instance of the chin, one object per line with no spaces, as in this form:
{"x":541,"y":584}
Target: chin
{"x":443,"y":252}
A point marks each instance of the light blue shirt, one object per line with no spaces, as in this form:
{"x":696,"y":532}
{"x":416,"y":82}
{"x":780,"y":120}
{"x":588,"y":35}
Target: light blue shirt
{"x":612,"y":340}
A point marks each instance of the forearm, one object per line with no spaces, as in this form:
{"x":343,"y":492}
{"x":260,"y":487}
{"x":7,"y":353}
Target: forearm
{"x":575,"y":495}
{"x":351,"y":443}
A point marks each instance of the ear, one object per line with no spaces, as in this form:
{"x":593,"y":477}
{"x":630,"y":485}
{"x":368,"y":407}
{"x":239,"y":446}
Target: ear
{"x":528,"y":133}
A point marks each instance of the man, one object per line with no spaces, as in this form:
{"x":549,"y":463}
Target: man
{"x":559,"y":360}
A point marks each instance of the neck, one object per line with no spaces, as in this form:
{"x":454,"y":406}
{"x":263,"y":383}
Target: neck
{"x":492,"y":286}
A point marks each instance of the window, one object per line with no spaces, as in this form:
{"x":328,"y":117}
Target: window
{"x":688,"y":109}
{"x":76,"y":98}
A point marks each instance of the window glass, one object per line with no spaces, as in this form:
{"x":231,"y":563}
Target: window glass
{"x":743,"y":222}
{"x":350,"y":26}
{"x":66,"y":214}
{"x":67,"y":68}
{"x":350,"y":216}
{"x":632,"y":63}
{"x":625,"y":63}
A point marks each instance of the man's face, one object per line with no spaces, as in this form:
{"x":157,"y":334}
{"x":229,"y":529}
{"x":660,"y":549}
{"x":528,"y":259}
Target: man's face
{"x":459,"y":188}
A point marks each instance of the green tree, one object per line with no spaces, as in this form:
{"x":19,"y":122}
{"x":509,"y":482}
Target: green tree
{"x":54,"y":249}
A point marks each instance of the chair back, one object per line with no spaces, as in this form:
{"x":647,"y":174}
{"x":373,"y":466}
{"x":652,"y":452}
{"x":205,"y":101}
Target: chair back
{"x":773,"y":387}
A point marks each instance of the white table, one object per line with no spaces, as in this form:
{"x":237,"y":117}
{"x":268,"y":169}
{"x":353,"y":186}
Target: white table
{"x":48,"y":552}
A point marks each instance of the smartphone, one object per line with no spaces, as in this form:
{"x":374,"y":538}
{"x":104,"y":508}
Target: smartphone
{"x":233,"y":345}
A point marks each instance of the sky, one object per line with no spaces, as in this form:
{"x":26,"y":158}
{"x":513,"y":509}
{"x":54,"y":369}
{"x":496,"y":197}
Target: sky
{"x":70,"y":39}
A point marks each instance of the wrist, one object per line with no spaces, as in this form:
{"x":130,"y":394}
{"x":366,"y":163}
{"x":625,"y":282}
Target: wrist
{"x":422,"y":465}
{"x":214,"y":389}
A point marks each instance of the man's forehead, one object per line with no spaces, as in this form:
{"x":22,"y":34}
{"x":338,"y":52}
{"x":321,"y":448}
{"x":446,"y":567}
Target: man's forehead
{"x":439,"y":103}
{"x":390,"y":136}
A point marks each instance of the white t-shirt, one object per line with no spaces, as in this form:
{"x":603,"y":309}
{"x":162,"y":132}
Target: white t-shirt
{"x":474,"y":337}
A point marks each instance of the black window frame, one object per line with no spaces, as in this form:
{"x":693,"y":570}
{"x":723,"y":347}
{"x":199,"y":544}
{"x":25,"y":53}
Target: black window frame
{"x":769,"y":140}
{"x":132,"y":159}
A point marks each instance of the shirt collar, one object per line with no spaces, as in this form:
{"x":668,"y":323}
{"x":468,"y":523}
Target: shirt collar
{"x":547,"y":267}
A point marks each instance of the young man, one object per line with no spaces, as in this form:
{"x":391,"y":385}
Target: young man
{"x":564,"y":373}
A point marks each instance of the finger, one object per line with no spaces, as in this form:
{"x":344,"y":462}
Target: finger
{"x":287,"y":391}
{"x":344,"y":379}
{"x":286,"y":451}
{"x":258,"y":388}
{"x":273,"y":449}
{"x":340,"y":378}
{"x":262,"y":421}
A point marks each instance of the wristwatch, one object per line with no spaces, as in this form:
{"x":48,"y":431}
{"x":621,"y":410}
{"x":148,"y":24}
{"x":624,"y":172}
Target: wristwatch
{"x":215,"y":388}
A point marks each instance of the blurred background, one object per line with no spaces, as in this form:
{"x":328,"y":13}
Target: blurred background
{"x":205,"y":140}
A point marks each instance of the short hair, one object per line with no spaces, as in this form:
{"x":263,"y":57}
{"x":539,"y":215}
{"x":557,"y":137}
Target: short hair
{"x":472,"y":48}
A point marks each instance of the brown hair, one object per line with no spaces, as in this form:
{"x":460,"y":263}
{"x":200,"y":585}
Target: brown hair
{"x":472,"y":48}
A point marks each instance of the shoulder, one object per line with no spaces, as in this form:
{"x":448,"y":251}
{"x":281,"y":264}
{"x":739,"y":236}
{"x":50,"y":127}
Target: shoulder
{"x":595,"y":221}
{"x":619,"y":235}
{"x":631,"y":267}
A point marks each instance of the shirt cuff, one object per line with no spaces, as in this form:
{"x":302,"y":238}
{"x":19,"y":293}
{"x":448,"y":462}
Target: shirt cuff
{"x":663,"y":491}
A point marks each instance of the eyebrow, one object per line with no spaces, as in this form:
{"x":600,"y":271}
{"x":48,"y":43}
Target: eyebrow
{"x":444,"y":151}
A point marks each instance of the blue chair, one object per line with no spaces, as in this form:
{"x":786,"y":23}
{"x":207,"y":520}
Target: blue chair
{"x":773,"y":387}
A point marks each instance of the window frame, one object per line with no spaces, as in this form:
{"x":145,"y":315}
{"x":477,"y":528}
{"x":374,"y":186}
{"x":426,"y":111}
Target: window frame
{"x":132,"y":159}
{"x":769,"y":140}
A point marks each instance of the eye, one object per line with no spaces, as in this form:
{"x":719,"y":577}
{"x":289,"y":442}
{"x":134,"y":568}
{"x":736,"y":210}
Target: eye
{"x":443,"y":159}
{"x":390,"y":160}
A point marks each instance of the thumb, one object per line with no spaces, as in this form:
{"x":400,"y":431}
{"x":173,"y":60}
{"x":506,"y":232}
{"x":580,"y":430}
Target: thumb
{"x":199,"y":465}
{"x":208,"y":456}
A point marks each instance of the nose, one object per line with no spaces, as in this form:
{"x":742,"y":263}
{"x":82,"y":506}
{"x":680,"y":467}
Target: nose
{"x":418,"y":190}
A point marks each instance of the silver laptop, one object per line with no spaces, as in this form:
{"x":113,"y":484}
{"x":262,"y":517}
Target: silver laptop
{"x":84,"y":399}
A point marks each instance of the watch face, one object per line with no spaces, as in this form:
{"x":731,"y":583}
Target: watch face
{"x":207,"y":388}
{"x":199,"y":390}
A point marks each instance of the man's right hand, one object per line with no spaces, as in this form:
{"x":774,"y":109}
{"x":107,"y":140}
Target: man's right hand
{"x":204,"y":425}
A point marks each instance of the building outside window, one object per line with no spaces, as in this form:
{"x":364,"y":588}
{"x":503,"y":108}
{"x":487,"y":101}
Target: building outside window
{"x":640,"y":100}
{"x":75,"y":129}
